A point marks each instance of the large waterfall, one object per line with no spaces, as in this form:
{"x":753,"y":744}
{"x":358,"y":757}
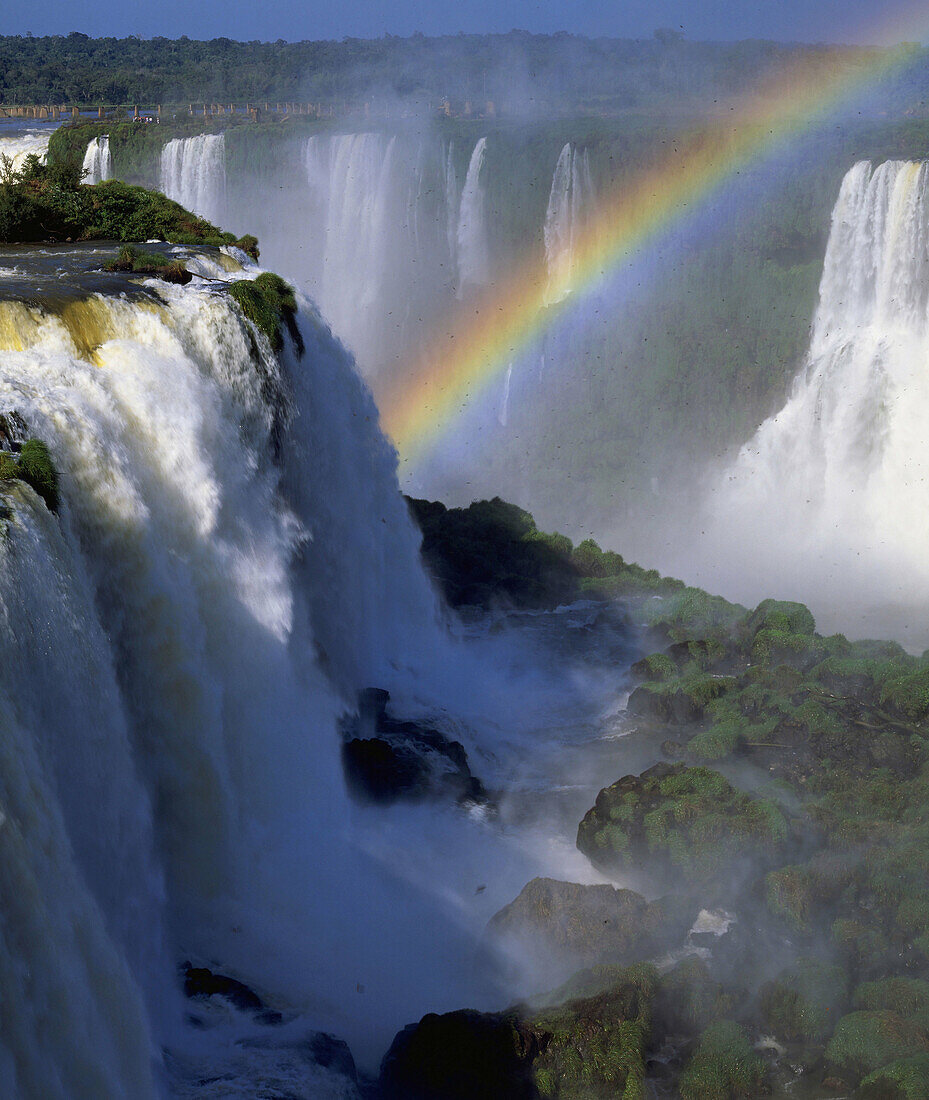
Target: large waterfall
{"x":831,"y":496}
{"x":193,"y":173}
{"x":232,"y":562}
{"x":387,"y":230}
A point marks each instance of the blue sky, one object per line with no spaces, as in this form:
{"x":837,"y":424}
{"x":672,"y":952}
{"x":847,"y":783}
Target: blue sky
{"x":786,"y":20}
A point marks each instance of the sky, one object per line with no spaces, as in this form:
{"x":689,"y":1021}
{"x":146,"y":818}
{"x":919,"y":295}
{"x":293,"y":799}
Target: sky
{"x":848,"y":21}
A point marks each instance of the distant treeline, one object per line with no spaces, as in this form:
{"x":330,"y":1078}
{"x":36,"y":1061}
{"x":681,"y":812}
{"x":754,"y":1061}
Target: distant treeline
{"x":552,"y":74}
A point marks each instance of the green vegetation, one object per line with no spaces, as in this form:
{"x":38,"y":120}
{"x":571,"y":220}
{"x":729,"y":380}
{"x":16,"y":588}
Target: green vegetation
{"x":805,"y":1001}
{"x":492,"y":553}
{"x":49,"y":203}
{"x":149,"y":263}
{"x":865,"y":1041}
{"x":571,"y":73}
{"x":269,"y":303}
{"x":724,"y":1066}
{"x":33,"y":465}
{"x":680,"y":822}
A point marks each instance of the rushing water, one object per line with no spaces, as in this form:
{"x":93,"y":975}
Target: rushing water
{"x":17,"y":144}
{"x":830,"y":498}
{"x":386,"y":231}
{"x":98,"y":163}
{"x":232,"y":562}
{"x":193,"y":173}
{"x":570,"y":202}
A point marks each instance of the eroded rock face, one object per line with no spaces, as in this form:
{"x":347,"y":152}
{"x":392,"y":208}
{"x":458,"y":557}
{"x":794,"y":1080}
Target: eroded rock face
{"x":561,"y":927}
{"x":386,"y":759}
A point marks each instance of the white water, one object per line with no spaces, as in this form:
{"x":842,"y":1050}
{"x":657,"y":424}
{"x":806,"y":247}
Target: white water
{"x":193,"y":173}
{"x":98,"y":164}
{"x":232,"y":562}
{"x":569,"y":202}
{"x":20,"y":144}
{"x":473,"y":247}
{"x":830,"y":499}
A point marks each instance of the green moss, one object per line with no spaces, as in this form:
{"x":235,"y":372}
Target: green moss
{"x":906,"y":997}
{"x":781,"y":616}
{"x":905,"y":1079}
{"x":908,"y":694}
{"x":35,"y":467}
{"x":693,"y":613}
{"x":270,"y":304}
{"x":865,"y":1041}
{"x":720,"y":740}
{"x":691,"y":820}
{"x":805,"y":1000}
{"x":149,"y":263}
{"x":689,"y":999}
{"x":723,"y":1067}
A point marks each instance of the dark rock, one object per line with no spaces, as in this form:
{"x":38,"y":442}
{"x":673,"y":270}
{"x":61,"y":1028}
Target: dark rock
{"x":385,"y":759}
{"x":201,"y":982}
{"x":460,"y":1056}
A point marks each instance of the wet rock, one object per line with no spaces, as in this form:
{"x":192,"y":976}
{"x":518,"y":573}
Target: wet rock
{"x":201,"y":982}
{"x":584,"y":1045}
{"x":564,"y":926}
{"x":385,"y":759}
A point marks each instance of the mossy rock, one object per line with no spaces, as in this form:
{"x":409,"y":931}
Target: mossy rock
{"x":588,"y":1048}
{"x":689,"y":999}
{"x":805,"y":1001}
{"x":271,"y":305}
{"x":680,"y":822}
{"x":781,"y":616}
{"x":566,"y":924}
{"x":691,"y":613}
{"x":906,"y":997}
{"x":679,"y":701}
{"x":724,"y":1066}
{"x":864,"y":1041}
{"x":905,"y":1079}
{"x":33,"y":465}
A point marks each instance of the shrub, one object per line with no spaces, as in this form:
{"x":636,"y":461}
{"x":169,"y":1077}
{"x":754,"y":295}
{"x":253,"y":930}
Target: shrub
{"x":864,"y":1041}
{"x":723,"y":1067}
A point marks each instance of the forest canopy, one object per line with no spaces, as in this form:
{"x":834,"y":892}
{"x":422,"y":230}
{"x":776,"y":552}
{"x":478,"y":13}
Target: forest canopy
{"x":548,"y":74}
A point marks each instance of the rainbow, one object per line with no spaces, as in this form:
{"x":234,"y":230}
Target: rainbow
{"x":482,"y":340}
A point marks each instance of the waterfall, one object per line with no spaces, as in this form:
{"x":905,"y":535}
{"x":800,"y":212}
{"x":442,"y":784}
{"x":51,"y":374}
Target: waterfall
{"x":452,"y":199}
{"x":373,"y":250}
{"x":471,"y":237}
{"x":504,"y":415}
{"x":833,"y":490}
{"x":20,"y":144}
{"x":231,"y":563}
{"x":193,"y":173}
{"x":98,"y":164}
{"x":569,"y":201}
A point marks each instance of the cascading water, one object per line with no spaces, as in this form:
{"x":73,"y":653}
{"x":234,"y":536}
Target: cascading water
{"x":21,"y":143}
{"x":193,"y":173}
{"x":569,"y":201}
{"x":473,"y":256}
{"x":833,"y":490}
{"x":98,"y":164}
{"x":231,"y":563}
